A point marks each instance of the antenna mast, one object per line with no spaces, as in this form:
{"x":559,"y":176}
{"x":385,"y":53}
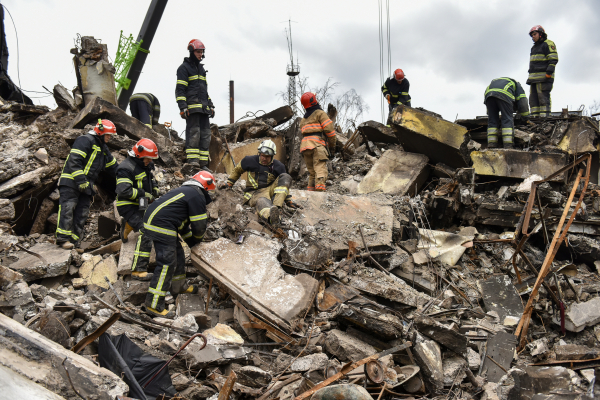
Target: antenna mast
{"x":293,"y":69}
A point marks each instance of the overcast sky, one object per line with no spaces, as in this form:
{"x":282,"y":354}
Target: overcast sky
{"x":449,"y":50}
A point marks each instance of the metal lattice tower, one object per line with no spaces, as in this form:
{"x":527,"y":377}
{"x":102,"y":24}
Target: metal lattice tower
{"x":293,"y":69}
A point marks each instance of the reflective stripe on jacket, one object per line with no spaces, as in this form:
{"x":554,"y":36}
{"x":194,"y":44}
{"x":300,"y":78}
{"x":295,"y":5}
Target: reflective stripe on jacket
{"x":315,"y":129}
{"x":152,"y":101}
{"x":510,"y":91}
{"x":542,"y":62}
{"x":259,"y":176}
{"x":133,"y":182}
{"x":398,"y":91}
{"x":191,"y":90}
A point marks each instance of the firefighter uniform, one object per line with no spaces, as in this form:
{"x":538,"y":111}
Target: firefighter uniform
{"x":502,"y":96}
{"x":182,"y":211}
{"x":135,"y":181}
{"x":398,"y":93}
{"x":316,"y":127}
{"x":145,"y":108}
{"x":266,"y":186}
{"x":542,"y":62}
{"x":191,"y":92}
{"x":88,"y":157}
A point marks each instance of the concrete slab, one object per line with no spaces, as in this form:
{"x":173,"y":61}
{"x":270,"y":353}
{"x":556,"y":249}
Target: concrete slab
{"x":397,"y":173}
{"x":581,"y":315}
{"x":579,"y":137}
{"x":251,"y":273}
{"x":126,"y":254}
{"x":335,"y":218}
{"x":517,"y":163}
{"x":421,"y":132}
{"x":21,"y":182}
{"x":500,"y":295}
{"x":94,"y":269}
{"x":15,"y":386}
{"x":377,"y":132}
{"x":220,"y":160}
{"x":442,"y":334}
{"x":56,"y":262}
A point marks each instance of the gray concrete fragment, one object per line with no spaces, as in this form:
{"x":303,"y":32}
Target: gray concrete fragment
{"x":94,"y":269}
{"x":538,"y":347}
{"x":39,"y":224}
{"x":346,"y":347}
{"x":56,"y":262}
{"x":429,"y":358}
{"x":15,"y":386}
{"x":575,"y":352}
{"x":63,"y":98}
{"x":311,"y":362}
{"x":445,"y":336}
{"x":7,"y":210}
{"x":7,"y":276}
{"x":397,"y":173}
{"x":17,"y":299}
{"x":517,"y":163}
{"x":581,"y":315}
{"x":474,"y":359}
{"x":253,"y":376}
{"x":21,"y":182}
{"x":377,"y":132}
{"x":532,"y":381}
{"x":126,"y":255}
{"x":454,"y":370}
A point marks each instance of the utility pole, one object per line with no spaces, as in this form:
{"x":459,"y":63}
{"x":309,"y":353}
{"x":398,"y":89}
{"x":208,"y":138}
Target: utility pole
{"x":231,"y":119}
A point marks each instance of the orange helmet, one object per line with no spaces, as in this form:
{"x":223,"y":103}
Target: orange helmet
{"x":196,"y":44}
{"x":537,"y":28}
{"x":308,"y":99}
{"x":398,"y":74}
{"x":145,"y":148}
{"x":206,"y":179}
{"x":104,"y":127}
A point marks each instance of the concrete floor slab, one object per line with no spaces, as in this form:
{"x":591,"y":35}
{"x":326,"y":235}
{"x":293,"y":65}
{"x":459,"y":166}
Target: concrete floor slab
{"x":396,"y":172}
{"x":517,"y":163}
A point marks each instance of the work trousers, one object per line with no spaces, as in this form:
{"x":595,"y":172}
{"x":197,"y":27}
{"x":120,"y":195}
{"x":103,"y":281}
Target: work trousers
{"x":273,"y":195}
{"x":169,"y":273}
{"x":141,"y":111}
{"x":539,"y":99}
{"x":316,"y":164}
{"x":143,"y":246}
{"x":73,"y":211}
{"x":495,"y":107}
{"x":197,"y":137}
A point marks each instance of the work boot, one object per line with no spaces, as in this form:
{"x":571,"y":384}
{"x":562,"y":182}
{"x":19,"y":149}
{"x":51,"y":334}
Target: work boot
{"x":191,"y":289}
{"x":275,"y":216}
{"x":204,"y":166}
{"x":509,"y":146}
{"x":142,"y":275}
{"x":492,"y":145}
{"x":190,"y":169}
{"x":66,"y":245}
{"x":155,"y":313}
{"x":125,"y":230}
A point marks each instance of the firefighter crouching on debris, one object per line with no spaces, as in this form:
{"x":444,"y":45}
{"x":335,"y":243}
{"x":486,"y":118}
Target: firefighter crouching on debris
{"x":316,"y":127}
{"x":195,"y":107}
{"x":268,"y":184}
{"x":182,"y":211}
{"x":145,"y":108}
{"x":542,"y":63}
{"x":88,"y":157}
{"x":395,"y":90}
{"x":502,"y":96}
{"x":136,"y":188}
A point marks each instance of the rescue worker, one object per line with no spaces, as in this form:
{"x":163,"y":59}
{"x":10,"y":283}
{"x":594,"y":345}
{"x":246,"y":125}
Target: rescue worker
{"x":136,"y":188}
{"x":395,"y":90}
{"x":504,"y":95}
{"x":316,"y":127}
{"x":542,"y":63}
{"x":195,"y":106}
{"x":145,"y":108}
{"x":88,"y":157}
{"x":182,"y":211}
{"x":268,"y":184}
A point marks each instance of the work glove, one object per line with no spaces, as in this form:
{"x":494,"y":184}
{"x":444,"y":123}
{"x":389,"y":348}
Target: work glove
{"x":290,"y":203}
{"x":548,"y":76}
{"x":212,"y":113}
{"x":225,"y":185}
{"x":84,"y":186}
{"x":387,"y":96}
{"x":149,"y":196}
{"x":184,"y":113}
{"x":156,"y":191}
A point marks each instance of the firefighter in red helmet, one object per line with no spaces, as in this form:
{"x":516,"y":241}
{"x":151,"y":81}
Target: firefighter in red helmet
{"x":395,"y":90}
{"x":542,"y":63}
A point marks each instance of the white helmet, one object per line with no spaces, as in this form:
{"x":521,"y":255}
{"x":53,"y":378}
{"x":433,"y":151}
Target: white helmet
{"x":267,"y":147}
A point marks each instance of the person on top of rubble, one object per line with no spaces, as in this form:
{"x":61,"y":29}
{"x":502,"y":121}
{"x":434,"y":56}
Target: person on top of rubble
{"x":395,"y":90}
{"x":136,"y":188}
{"x":145,"y":108}
{"x":180,"y":212}
{"x":503,"y":95}
{"x":88,"y":157}
{"x":195,"y":105}
{"x":542,"y":63}
{"x":268,"y":183}
{"x":316,"y":127}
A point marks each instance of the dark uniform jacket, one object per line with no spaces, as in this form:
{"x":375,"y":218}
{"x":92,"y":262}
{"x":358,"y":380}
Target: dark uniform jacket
{"x":191,"y":91}
{"x":181,"y":211}
{"x":259,"y":176}
{"x":510,"y":91}
{"x":152,"y":102}
{"x":542,"y":61}
{"x":398,"y":91}
{"x":134,"y":180}
{"x":88,"y":157}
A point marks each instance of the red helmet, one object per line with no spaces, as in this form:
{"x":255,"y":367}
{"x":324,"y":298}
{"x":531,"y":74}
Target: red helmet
{"x":308,"y":99}
{"x":537,"y":28}
{"x":145,"y":148}
{"x":206,"y":179}
{"x":399,"y":74}
{"x":196,"y":44}
{"x":104,"y":127}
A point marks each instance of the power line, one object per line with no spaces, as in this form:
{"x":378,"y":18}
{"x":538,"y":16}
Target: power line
{"x":18,"y":64}
{"x":380,"y":56}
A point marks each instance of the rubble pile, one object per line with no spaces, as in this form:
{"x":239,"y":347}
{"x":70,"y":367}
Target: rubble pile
{"x":431,"y":267}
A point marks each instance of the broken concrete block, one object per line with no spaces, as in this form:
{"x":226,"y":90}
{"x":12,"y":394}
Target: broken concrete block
{"x":42,"y":155}
{"x":39,"y":224}
{"x":21,"y":182}
{"x":7,"y":210}
{"x":474,"y":359}
{"x":538,"y":347}
{"x":7,"y":276}
{"x":187,"y":322}
{"x":126,"y":254}
{"x":397,"y":173}
{"x":17,"y":299}
{"x":187,"y":303}
{"x":342,"y":391}
{"x":222,"y":334}
{"x":311,"y":362}
{"x":517,"y":163}
{"x":445,"y":336}
{"x":251,"y":273}
{"x":385,"y":326}
{"x":197,"y":392}
{"x":499,"y":295}
{"x":377,"y":132}
{"x":56,"y":262}
{"x":569,"y":352}
{"x":531,"y":382}
{"x":454,"y":370}
{"x":421,"y":132}
{"x":346,"y":347}
{"x":95,"y":269}
{"x":63,"y":98}
{"x":253,"y":376}
{"x":581,"y":315}
{"x":16,"y":386}
{"x":579,"y":137}
{"x":429,"y":358}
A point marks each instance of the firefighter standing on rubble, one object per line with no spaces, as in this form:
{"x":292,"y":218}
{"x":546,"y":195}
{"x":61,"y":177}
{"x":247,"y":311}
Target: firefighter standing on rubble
{"x":268,"y":184}
{"x":502,"y":96}
{"x":395,"y":90}
{"x":195,"y":105}
{"x":542,"y":63}
{"x":88,"y":157}
{"x":145,"y":108}
{"x":181,"y":212}
{"x":136,"y":188}
{"x":316,"y":128}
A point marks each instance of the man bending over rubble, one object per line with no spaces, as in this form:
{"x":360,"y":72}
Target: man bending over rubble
{"x":268,"y":184}
{"x":145,"y":108}
{"x":182,"y":211}
{"x":395,"y":90}
{"x":88,"y":157}
{"x":315,"y":127}
{"x":136,"y":188}
{"x":502,"y":96}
